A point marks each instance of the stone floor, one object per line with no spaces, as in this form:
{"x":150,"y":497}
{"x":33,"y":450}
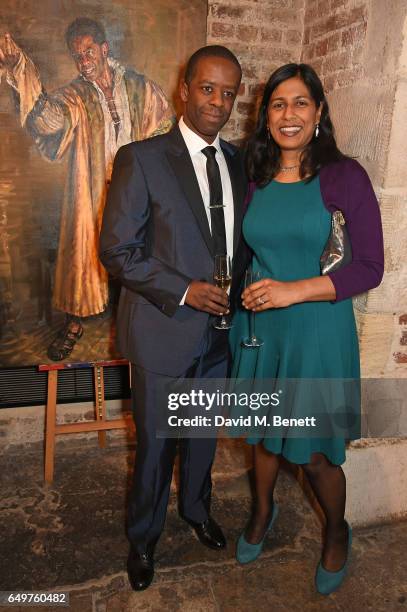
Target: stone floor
{"x":70,"y":537}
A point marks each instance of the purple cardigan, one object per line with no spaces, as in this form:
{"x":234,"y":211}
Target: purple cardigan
{"x":345,"y":186}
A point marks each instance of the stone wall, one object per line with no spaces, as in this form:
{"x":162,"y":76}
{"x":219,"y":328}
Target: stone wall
{"x":360,"y":50}
{"x":334,"y":40}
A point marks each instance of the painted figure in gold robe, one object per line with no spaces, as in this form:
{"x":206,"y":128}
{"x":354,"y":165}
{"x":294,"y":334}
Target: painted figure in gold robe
{"x":103,"y":108}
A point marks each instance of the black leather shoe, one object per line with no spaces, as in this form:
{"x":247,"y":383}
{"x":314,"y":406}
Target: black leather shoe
{"x":209,"y":533}
{"x":140,"y":570}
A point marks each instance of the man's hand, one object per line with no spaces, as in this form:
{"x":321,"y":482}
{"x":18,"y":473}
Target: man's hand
{"x":207,"y":297}
{"x":9,"y":53}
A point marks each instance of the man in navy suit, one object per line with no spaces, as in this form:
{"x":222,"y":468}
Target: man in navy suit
{"x":159,"y":236}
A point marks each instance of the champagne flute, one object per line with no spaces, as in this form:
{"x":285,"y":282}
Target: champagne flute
{"x":252,"y":341}
{"x":222,"y":276}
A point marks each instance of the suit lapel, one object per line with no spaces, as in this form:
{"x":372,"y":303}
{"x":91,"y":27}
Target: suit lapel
{"x":235,"y":173}
{"x":184,"y":171}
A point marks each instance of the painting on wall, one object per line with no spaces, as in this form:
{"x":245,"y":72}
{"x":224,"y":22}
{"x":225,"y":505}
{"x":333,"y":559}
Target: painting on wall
{"x":77,"y":81}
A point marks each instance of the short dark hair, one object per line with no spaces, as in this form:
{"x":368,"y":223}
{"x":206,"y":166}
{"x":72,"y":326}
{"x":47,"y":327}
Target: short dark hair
{"x":209,"y":51}
{"x":85,"y":27}
{"x":263,"y":153}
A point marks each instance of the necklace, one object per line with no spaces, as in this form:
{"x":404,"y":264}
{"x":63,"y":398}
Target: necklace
{"x":288,"y":168}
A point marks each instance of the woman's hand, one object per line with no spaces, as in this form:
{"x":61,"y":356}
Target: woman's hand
{"x":268,"y":293}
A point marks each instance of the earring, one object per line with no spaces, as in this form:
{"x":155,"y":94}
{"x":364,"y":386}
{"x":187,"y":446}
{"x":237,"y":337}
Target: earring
{"x":268,"y":133}
{"x":316,"y":130}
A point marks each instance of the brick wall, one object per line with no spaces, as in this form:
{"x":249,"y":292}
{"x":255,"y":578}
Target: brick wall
{"x":334,"y":38}
{"x":264,"y":34}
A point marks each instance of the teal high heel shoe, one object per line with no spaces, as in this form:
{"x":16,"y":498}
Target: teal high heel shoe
{"x":327,"y":582}
{"x":245,"y":552}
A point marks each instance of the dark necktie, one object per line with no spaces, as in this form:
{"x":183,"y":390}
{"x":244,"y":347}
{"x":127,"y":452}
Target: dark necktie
{"x":216,"y":199}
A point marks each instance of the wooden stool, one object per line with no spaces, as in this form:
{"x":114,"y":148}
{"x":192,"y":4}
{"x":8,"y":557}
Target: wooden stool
{"x":100,"y":424}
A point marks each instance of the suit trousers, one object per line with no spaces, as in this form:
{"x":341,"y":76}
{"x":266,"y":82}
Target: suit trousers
{"x":155,"y":457}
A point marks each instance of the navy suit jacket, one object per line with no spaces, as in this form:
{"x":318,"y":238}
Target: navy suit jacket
{"x":155,"y":239}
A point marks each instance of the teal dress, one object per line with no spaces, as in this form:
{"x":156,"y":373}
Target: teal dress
{"x":287,"y":226}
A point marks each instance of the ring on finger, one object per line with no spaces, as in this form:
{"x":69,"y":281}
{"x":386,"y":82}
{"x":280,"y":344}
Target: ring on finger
{"x":260,"y":301}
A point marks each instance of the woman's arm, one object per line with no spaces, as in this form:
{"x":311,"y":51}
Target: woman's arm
{"x":363,"y":221}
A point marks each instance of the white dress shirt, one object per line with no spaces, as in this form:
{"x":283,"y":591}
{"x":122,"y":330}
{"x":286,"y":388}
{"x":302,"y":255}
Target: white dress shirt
{"x":195,"y":144}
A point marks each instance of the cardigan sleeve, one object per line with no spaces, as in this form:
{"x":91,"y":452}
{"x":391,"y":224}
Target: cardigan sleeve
{"x":363,"y":221}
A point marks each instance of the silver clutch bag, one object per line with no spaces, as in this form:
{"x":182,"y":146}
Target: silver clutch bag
{"x":337,"y":251}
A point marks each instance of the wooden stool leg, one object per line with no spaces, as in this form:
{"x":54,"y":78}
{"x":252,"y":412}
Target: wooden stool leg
{"x":100,"y":402}
{"x":50,"y":422}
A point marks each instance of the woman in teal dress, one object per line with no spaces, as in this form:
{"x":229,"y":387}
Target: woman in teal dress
{"x":305,"y":319}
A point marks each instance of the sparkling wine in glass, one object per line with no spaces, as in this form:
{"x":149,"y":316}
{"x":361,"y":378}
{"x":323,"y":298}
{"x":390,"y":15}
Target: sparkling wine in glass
{"x":222,"y":277}
{"x":252,"y":341}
